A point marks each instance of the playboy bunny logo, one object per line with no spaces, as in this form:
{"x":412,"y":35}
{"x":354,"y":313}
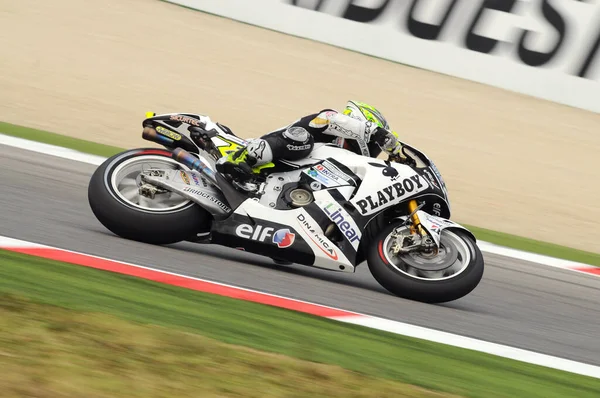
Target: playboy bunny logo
{"x":387,"y":171}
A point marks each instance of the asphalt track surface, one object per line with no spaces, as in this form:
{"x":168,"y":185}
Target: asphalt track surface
{"x":552,"y":311}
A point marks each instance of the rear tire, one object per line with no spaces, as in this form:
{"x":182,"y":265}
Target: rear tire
{"x":125,"y":218}
{"x":394,"y":275}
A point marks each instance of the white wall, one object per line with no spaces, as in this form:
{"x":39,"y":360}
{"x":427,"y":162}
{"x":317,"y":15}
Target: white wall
{"x":572,"y":23}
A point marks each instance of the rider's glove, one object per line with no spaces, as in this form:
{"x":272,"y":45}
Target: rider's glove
{"x":388,"y":141}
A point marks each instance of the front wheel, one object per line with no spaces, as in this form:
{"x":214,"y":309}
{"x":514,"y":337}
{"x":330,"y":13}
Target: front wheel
{"x":114,"y":196}
{"x":450,"y":274}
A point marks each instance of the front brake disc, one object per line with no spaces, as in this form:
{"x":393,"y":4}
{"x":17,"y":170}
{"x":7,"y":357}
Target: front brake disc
{"x":445,"y":258}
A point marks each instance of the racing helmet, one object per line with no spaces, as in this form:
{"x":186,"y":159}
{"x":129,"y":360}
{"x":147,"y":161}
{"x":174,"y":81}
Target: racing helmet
{"x":365,"y":112}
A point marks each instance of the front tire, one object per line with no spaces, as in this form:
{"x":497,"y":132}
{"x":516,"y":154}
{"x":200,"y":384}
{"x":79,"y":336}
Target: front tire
{"x":113,"y":195}
{"x":425,"y":280}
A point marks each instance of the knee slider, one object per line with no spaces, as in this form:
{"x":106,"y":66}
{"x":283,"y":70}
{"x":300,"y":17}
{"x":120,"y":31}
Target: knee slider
{"x":297,"y":143}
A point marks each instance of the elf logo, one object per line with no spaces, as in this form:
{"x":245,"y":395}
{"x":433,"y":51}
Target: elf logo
{"x":282,"y":237}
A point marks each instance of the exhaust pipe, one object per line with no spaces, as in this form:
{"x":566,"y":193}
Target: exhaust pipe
{"x":150,"y":134}
{"x":194,"y":163}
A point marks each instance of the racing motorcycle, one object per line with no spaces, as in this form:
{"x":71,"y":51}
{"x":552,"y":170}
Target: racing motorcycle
{"x":332,"y":210}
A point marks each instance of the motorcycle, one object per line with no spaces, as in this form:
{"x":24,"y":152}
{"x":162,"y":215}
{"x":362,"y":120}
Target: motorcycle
{"x":332,"y":210}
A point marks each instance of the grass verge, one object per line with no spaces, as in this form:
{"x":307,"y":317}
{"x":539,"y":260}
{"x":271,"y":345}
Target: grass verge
{"x":535,"y":246}
{"x":87,"y":354}
{"x":370,"y":353}
{"x":57,"y":139}
{"x":499,"y":238}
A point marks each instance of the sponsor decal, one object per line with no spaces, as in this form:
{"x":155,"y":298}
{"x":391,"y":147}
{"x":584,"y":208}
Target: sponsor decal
{"x":320,"y":178}
{"x":315,"y":185}
{"x":257,"y":149}
{"x":184,"y":177}
{"x":318,"y":239}
{"x":347,"y":132}
{"x":438,"y":175}
{"x":203,"y":194}
{"x":199,"y":181}
{"x":533,"y":33}
{"x":185,"y":119}
{"x":166,"y":132}
{"x":431,"y":178}
{"x":328,"y":174}
{"x":388,"y":171}
{"x":344,"y":222}
{"x":392,"y":193}
{"x":364,"y":149}
{"x":298,"y":147}
{"x":332,"y":172}
{"x":437,"y":209}
{"x":434,"y":225}
{"x":282,"y":237}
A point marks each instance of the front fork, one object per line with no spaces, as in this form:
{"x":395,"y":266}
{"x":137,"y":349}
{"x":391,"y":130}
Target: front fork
{"x":416,"y":223}
{"x":419,"y":239}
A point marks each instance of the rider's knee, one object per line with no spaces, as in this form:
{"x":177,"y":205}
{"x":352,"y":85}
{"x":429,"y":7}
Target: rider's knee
{"x":291,"y":144}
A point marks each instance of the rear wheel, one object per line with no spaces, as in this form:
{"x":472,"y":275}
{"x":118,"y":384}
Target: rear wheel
{"x":114,"y":198}
{"x":450,"y":274}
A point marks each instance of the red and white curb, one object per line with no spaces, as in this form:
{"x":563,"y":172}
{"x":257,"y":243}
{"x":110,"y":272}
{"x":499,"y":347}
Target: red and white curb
{"x":485,"y":247}
{"x":336,"y":314}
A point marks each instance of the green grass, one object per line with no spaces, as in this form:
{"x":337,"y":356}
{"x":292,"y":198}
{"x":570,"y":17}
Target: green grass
{"x":57,"y":139}
{"x":369,"y":352}
{"x":499,"y":238}
{"x":50,"y":351}
{"x":535,"y":246}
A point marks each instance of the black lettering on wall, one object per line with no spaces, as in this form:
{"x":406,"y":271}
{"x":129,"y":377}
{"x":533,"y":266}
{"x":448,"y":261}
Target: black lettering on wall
{"x":424,"y":30}
{"x":590,"y":58}
{"x":363,"y":14}
{"x":480,"y":43}
{"x":317,"y":7}
{"x":536,"y":58}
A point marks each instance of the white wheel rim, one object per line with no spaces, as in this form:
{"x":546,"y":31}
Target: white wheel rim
{"x":125,"y":182}
{"x":448,"y":238}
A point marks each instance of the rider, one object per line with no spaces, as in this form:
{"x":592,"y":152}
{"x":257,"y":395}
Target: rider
{"x":361,"y":129}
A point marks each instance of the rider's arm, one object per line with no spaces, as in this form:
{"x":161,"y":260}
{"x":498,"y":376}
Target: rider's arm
{"x":339,"y":125}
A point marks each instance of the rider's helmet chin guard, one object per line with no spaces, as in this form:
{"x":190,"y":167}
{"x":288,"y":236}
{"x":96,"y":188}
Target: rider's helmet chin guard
{"x":361,"y":111}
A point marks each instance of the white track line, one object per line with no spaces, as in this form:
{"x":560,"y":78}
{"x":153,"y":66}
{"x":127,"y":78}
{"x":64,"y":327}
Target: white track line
{"x":53,"y":150}
{"x":71,"y":154}
{"x":469,"y":343}
{"x":354,"y":318}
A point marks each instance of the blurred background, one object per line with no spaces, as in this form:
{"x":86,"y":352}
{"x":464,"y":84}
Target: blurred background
{"x":513,"y":163}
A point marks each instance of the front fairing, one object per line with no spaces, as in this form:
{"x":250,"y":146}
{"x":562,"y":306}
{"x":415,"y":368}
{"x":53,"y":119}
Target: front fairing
{"x":437,"y":201}
{"x":387,"y":184}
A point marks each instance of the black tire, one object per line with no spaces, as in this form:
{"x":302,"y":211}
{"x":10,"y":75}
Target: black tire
{"x":130,"y":222}
{"x":428,"y":291}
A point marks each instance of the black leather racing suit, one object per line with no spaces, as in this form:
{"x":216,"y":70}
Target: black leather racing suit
{"x":296,"y":141}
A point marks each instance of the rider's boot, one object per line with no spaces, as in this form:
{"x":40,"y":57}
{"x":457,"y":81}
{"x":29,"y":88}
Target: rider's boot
{"x":237,"y":166}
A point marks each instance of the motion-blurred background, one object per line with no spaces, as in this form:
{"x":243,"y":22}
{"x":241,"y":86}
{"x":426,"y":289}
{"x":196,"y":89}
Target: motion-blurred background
{"x":513,"y":163}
